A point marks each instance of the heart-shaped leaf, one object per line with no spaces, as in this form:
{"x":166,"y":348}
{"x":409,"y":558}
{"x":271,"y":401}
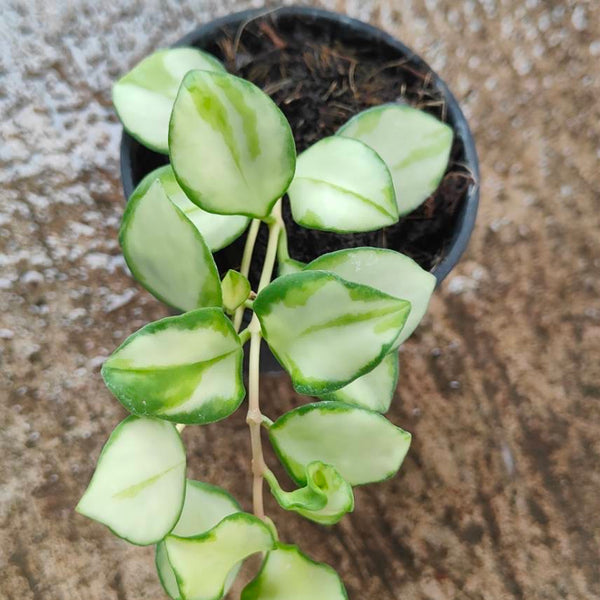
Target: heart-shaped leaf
{"x":385,"y":270}
{"x":144,"y":97}
{"x":326,"y":331}
{"x":236,"y":289}
{"x":165,"y":251}
{"x":186,"y":368}
{"x":325,"y":499}
{"x":218,"y":231}
{"x":231,"y":148}
{"x":415,"y":146}
{"x":138,"y":487}
{"x":205,"y":506}
{"x":361,"y":444}
{"x":202,"y":563}
{"x":287,"y":574}
{"x":374,"y":390}
{"x":342,"y":185}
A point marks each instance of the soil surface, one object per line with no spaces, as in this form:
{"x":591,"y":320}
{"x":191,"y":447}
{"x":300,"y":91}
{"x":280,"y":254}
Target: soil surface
{"x":500,"y":386}
{"x":320,"y":81}
{"x":320,"y":76}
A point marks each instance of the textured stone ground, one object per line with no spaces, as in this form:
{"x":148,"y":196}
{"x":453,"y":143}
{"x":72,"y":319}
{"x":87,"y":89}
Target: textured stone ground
{"x":500,"y":387}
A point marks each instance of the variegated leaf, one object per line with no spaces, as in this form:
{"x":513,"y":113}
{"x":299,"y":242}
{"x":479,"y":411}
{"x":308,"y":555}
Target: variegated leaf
{"x":374,"y":390}
{"x":361,"y":444}
{"x":202,"y":563}
{"x":138,"y":487}
{"x":289,"y":266}
{"x":388,"y":271}
{"x":342,"y":185}
{"x":325,"y":498}
{"x":144,"y":97}
{"x":186,"y":368}
{"x":231,"y":148}
{"x":165,"y":251}
{"x":287,"y":574}
{"x":415,"y":146}
{"x":326,"y":331}
{"x":218,"y":231}
{"x":205,"y":506}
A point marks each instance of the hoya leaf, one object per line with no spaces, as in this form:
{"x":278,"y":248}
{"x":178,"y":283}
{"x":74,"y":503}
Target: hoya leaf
{"x":138,"y":487}
{"x":186,"y":368}
{"x":415,"y":146}
{"x":165,"y":251}
{"x":289,"y":265}
{"x":144,"y":97}
{"x":231,"y":148}
{"x":236,"y":289}
{"x":166,"y":575}
{"x":202,"y":563}
{"x":374,"y":390}
{"x":325,"y":499}
{"x":361,"y":444}
{"x":388,"y":271}
{"x":217,"y":231}
{"x":271,"y":525}
{"x":287,"y":574}
{"x":204,"y":507}
{"x":342,"y":185}
{"x":326,"y":331}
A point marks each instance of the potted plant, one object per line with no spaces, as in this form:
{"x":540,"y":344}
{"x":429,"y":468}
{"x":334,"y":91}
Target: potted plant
{"x":333,"y":316}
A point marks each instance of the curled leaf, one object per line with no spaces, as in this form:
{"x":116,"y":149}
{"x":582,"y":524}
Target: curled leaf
{"x":325,"y":498}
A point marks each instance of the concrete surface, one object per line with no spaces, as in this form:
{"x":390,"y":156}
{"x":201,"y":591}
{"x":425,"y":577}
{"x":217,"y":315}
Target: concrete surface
{"x":499,"y":497}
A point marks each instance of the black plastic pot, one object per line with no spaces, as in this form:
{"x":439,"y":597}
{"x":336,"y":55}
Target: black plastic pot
{"x":137,"y":161}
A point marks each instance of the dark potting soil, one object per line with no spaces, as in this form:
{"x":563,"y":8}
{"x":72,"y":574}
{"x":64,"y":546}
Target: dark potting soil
{"x":320,"y":81}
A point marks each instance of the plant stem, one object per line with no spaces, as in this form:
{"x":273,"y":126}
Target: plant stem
{"x":244,"y":335}
{"x":245,"y":266}
{"x":255,"y":418}
{"x":271,"y":255}
{"x":249,"y":247}
{"x":283,"y":252}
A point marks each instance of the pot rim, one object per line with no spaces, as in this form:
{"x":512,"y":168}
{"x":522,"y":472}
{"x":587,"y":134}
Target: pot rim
{"x":466,"y":217}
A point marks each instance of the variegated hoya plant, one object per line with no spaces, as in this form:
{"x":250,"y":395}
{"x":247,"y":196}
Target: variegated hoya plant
{"x":334,"y":324}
